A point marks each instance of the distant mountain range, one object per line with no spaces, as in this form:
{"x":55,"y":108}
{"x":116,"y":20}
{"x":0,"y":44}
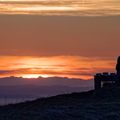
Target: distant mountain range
{"x":73,"y":82}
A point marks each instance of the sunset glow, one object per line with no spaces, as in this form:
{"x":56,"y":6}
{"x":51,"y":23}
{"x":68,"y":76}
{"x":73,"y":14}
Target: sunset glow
{"x":35,"y":76}
{"x":30,"y":76}
{"x":62,"y":66}
{"x":69,"y":44}
{"x":62,"y":7}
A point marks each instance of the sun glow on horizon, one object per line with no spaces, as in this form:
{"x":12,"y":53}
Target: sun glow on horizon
{"x":60,"y":66}
{"x":35,"y":76}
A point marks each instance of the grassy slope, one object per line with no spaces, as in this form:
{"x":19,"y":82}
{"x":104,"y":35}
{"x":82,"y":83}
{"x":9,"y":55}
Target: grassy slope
{"x":104,"y":105}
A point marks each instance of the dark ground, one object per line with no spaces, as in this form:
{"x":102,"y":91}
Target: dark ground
{"x":103,"y":105}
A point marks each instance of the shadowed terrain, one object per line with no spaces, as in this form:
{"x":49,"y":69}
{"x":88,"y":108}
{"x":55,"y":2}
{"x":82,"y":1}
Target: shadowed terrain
{"x":91,"y":105}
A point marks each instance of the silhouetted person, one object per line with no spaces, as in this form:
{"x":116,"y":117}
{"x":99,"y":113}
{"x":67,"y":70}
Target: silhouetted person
{"x":118,"y":70}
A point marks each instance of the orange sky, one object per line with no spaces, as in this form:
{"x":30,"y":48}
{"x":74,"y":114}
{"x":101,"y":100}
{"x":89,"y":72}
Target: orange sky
{"x":58,"y":46}
{"x":69,"y":45}
{"x":27,"y":35}
{"x":62,"y":66}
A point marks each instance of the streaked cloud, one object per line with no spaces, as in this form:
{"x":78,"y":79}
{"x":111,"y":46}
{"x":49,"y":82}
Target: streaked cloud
{"x":61,"y":7}
{"x":61,"y":66}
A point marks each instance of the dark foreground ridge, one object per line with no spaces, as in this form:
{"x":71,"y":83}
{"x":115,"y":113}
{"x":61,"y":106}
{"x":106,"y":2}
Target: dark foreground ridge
{"x":101,"y":105}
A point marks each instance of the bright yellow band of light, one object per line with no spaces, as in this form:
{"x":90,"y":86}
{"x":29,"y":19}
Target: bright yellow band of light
{"x":60,"y":7}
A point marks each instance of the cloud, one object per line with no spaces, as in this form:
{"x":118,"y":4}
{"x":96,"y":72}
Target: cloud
{"x":12,"y":72}
{"x":62,"y":66}
{"x":63,"y":7}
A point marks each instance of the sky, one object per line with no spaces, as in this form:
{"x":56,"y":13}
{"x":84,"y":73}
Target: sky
{"x":67,"y":38}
